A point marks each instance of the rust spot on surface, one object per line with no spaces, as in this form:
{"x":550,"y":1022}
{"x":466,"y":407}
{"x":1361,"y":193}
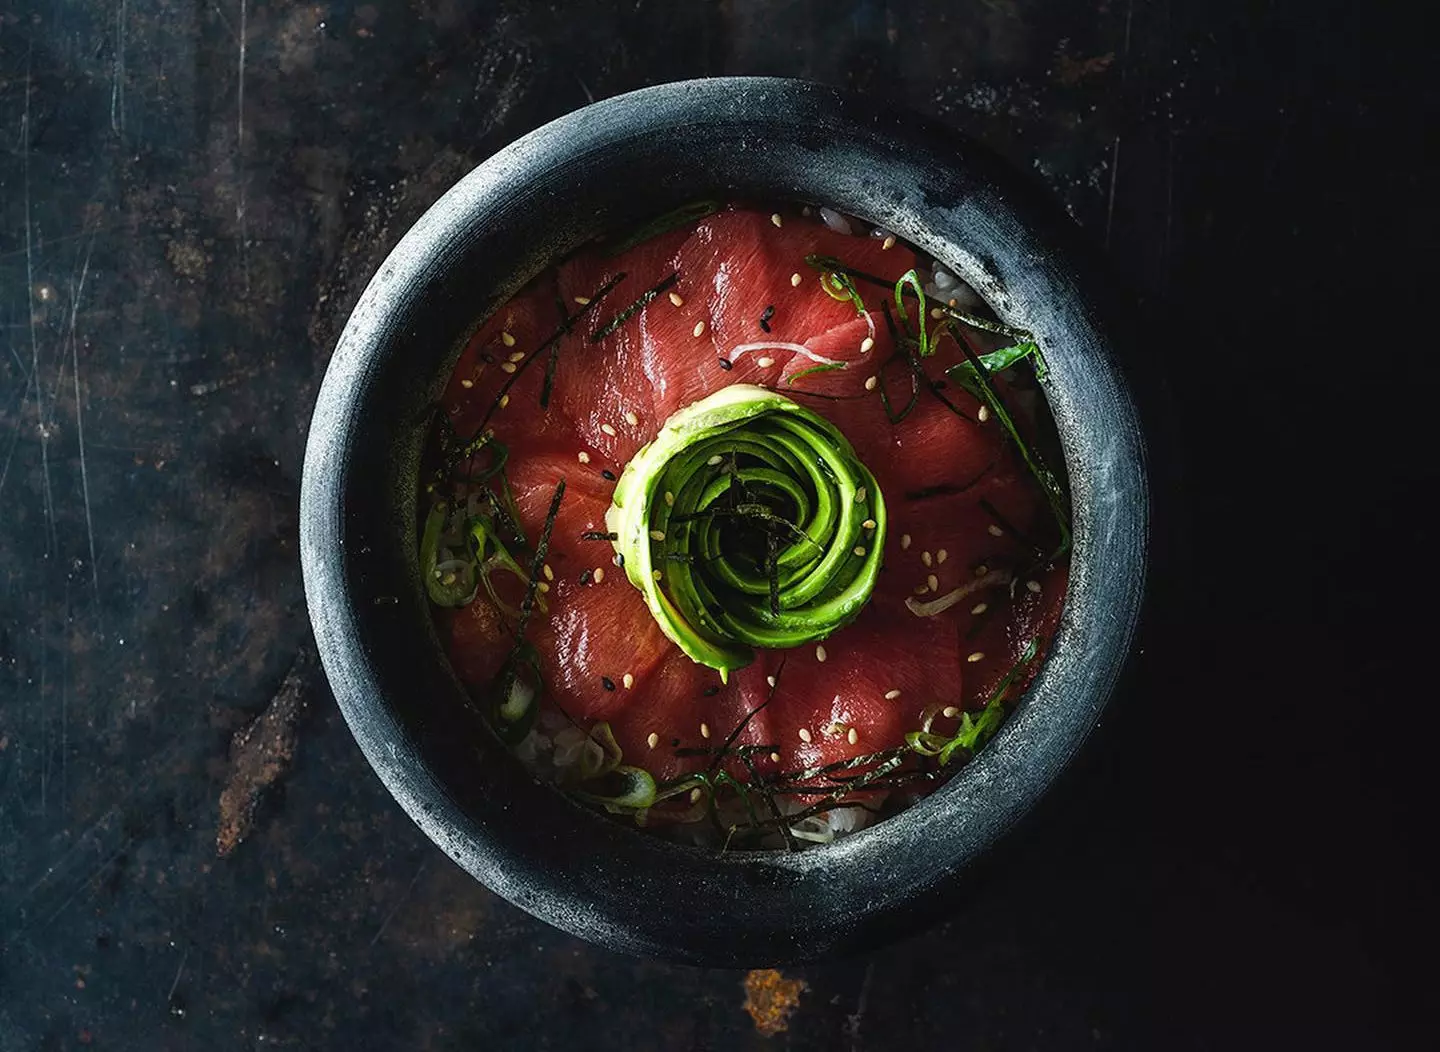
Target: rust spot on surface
{"x":770,"y":998}
{"x":260,"y":754}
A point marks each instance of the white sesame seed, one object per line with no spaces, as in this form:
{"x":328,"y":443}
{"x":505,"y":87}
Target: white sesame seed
{"x":867,"y":345}
{"x":921,"y":589}
{"x":853,"y":736}
{"x":549,"y":573}
{"x":653,"y":740}
{"x":904,"y":540}
{"x":504,"y":400}
{"x":628,"y":680}
{"x":765,"y":362}
{"x":583,"y":457}
{"x":936,"y":313}
{"x":507,"y":339}
{"x":770,"y":680}
{"x":820,"y":653}
{"x":774,"y":757}
{"x":508,"y":367}
{"x":704,"y":730}
{"x":677,"y":299}
{"x":699,"y":329}
{"x":695,"y":795}
{"x":805,"y":211}
{"x":717,"y":458}
{"x":517,"y":356}
{"x":607,"y":429}
{"x":891,"y":695}
{"x":631,"y":418}
{"x":888,"y":243}
{"x":599,"y":574}
{"x":1033,"y":586}
{"x":859,"y":549}
{"x":950,"y":712}
{"x":775,"y":219}
{"x":584,"y":301}
{"x":868,"y":524}
{"x":871,"y":382}
{"x":861,"y":494}
{"x":977,"y":656}
{"x":467,"y":384}
{"x":657,"y":575}
{"x":927,"y":558}
{"x":995,"y":531}
{"x":979,"y":608}
{"x":542,"y":588}
{"x":984,"y":414}
{"x":657,"y":535}
{"x":933,"y":582}
{"x":795,"y":280}
{"x":981,"y":570}
{"x":804,"y":734}
{"x":941,"y":556}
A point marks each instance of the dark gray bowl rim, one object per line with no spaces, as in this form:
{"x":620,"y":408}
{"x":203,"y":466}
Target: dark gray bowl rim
{"x":613,"y":162}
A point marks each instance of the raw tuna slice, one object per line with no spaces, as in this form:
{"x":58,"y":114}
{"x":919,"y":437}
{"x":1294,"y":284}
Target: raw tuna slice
{"x":603,"y":386}
{"x":489,"y":362}
{"x":879,"y":654}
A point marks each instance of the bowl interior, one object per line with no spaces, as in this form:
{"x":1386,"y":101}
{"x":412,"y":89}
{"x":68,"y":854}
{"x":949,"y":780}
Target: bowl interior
{"x":603,"y":168}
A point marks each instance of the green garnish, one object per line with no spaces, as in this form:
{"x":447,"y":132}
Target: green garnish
{"x":741,"y":466}
{"x":622,"y":790}
{"x":451,"y":587}
{"x":823,"y":367}
{"x":921,"y":335}
{"x":973,"y":375}
{"x":966,"y":376}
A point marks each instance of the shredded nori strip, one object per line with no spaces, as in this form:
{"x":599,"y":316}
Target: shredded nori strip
{"x":640,"y":304}
{"x":949,"y":489}
{"x":691,"y":213}
{"x":599,"y":535}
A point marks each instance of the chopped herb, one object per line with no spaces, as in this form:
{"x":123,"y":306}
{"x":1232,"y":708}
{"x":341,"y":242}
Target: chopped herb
{"x":824,"y":367}
{"x":911,"y":280}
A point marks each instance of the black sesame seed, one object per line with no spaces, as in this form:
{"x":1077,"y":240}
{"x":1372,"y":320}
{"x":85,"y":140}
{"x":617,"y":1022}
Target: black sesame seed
{"x":725,"y":364}
{"x":607,"y":683}
{"x":765,"y":317}
{"x":487,"y":357}
{"x":710,"y":692}
{"x":586,"y":575}
{"x":607,"y":475}
{"x":619,"y":559}
{"x":674,"y":743}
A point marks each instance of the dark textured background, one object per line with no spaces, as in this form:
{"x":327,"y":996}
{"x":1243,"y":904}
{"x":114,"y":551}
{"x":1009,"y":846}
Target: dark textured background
{"x":193,"y":193}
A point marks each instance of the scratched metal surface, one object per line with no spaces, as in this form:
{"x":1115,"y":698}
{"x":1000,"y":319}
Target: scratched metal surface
{"x":191,"y":197}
